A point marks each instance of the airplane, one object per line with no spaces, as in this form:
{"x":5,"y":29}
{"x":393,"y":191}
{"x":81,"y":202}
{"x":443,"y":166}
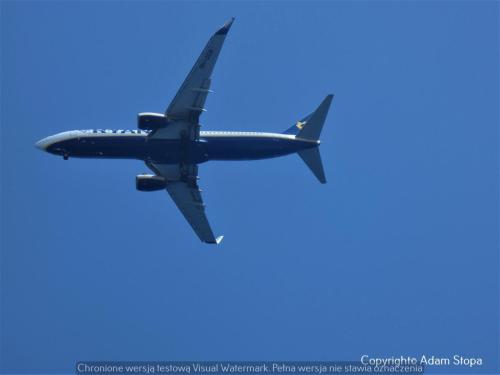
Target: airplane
{"x":172,"y":145}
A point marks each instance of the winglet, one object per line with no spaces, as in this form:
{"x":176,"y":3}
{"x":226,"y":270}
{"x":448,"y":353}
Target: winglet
{"x":224,"y":29}
{"x":217,"y":241}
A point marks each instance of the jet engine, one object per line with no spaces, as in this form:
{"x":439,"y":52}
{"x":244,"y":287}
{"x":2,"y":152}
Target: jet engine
{"x":151,"y":121}
{"x":149,"y":182}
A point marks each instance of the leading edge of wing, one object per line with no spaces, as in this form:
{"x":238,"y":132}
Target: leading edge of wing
{"x":187,"y":197}
{"x":190,"y":98}
{"x":188,"y":200}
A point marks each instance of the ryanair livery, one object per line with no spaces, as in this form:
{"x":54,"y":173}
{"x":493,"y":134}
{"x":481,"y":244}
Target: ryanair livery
{"x":172,"y":145}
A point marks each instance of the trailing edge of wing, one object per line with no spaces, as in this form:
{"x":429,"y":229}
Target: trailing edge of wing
{"x":183,"y":113}
{"x":189,"y":101}
{"x":188,"y":200}
{"x":186,"y":195}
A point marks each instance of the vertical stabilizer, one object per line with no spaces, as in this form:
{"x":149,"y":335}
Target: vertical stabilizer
{"x":311,"y":128}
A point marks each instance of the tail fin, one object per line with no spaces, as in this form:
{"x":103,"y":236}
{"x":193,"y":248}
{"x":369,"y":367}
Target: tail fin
{"x":310,"y":126}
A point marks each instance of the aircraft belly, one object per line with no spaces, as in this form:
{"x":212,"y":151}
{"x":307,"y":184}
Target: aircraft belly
{"x":249,"y":148}
{"x":168,"y":151}
{"x":110,"y":147}
{"x":175,"y":151}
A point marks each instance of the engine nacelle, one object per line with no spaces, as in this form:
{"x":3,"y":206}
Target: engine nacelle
{"x":149,"y":182}
{"x":151,"y":121}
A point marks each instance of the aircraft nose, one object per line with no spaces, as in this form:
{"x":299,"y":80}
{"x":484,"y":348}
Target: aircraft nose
{"x":42,"y":144}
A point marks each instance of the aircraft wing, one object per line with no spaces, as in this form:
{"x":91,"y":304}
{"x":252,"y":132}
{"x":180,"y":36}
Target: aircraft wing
{"x":184,"y":190}
{"x":184,"y":111}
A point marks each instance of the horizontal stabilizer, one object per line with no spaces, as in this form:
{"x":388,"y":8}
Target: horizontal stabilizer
{"x":312,"y":158}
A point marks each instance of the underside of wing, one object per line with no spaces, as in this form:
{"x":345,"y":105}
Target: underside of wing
{"x":181,"y":185}
{"x":183,"y":113}
{"x":188,"y":200}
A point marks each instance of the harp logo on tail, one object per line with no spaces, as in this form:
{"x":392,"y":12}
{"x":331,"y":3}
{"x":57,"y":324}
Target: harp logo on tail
{"x":301,"y":124}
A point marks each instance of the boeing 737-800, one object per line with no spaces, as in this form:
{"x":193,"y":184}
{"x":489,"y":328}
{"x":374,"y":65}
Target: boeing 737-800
{"x":172,"y":145}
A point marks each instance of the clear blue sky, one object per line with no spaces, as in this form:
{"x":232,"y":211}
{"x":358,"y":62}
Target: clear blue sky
{"x":397,"y":254}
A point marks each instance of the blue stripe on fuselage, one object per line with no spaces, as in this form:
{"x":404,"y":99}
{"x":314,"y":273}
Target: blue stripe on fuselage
{"x":209,"y":147}
{"x":252,"y":147}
